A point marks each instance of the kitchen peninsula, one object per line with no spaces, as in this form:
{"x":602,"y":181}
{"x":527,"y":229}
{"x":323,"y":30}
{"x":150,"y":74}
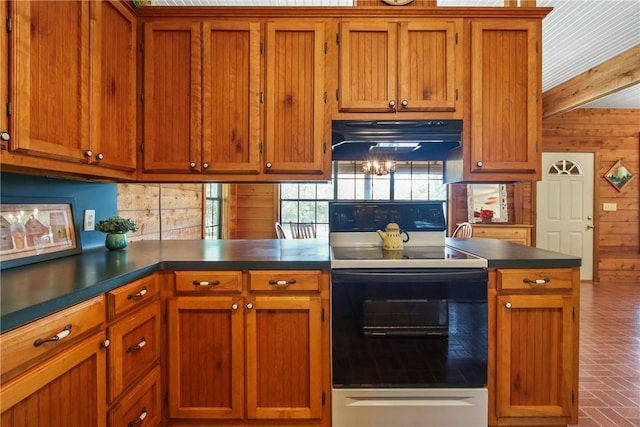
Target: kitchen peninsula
{"x":180,"y":276}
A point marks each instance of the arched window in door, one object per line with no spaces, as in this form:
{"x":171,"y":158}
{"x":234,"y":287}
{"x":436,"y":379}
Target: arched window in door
{"x":565,"y":167}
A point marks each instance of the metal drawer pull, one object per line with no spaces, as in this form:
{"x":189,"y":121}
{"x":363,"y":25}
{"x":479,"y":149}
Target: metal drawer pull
{"x":536,"y":281}
{"x":141,"y":418}
{"x":141,"y":344}
{"x":142,"y":293}
{"x":205,"y":283}
{"x":57,"y":337}
{"x":282,"y":282}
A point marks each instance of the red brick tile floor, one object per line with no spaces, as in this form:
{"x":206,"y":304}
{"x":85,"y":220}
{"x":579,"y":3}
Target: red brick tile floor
{"x":609,"y":381}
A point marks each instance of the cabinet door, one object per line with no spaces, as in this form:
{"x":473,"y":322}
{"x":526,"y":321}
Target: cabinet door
{"x":206,"y":357}
{"x":429,"y":65}
{"x":49,"y":86}
{"x":231,"y":98}
{"x":67,"y":390}
{"x":368,"y":66}
{"x":172,"y":97}
{"x":284,"y":350}
{"x":294,"y":92}
{"x":536,"y":372}
{"x":505,"y":87}
{"x":113,"y":140}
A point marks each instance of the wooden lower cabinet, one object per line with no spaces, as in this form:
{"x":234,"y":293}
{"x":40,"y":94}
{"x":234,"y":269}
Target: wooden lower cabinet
{"x":533,"y":364}
{"x":67,"y":390}
{"x":248,"y":357}
{"x":516,"y":233}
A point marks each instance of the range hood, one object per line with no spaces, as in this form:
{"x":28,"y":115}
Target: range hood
{"x":399,"y":140}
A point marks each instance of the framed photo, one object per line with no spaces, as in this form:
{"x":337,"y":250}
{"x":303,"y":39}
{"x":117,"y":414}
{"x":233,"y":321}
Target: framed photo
{"x":34,"y":229}
{"x":618,"y":175}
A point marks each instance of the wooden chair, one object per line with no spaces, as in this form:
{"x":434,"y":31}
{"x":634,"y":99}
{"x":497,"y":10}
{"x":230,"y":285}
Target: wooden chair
{"x":280,"y":231}
{"x":302,"y":230}
{"x":463,"y":230}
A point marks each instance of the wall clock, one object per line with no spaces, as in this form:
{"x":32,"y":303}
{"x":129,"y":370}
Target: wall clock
{"x":397,"y":2}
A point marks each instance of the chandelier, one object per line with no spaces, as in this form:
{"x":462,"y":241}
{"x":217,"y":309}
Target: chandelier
{"x":378,"y":167}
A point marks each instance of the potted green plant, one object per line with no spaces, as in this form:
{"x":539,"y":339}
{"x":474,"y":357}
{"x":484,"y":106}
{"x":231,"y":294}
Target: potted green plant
{"x":116,"y":228}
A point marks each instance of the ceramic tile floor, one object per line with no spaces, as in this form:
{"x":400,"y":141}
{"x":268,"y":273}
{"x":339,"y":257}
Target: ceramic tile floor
{"x":609,"y":379}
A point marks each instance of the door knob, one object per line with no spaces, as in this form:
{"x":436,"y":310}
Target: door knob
{"x":591,"y":226}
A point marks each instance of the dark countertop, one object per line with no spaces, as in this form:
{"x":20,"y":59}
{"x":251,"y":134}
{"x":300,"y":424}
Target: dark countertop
{"x":36,"y":290}
{"x":503,"y":254}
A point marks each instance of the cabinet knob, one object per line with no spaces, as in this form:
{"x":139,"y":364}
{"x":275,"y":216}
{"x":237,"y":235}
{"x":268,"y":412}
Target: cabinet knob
{"x":479,"y":164}
{"x":405,"y":102}
{"x":192,"y":165}
{"x":106,"y":343}
{"x":269,"y":165}
{"x":88,"y":153}
{"x":99,"y":156}
{"x":507,"y":304}
{"x":205,"y":165}
{"x":234,"y":306}
{"x":249,"y":306}
{"x":392,"y":103}
{"x":4,"y":136}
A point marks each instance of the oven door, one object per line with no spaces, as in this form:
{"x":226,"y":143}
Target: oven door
{"x":409,"y":328}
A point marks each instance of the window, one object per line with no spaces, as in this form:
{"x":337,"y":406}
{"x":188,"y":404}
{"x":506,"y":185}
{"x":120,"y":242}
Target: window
{"x":307,"y":202}
{"x":212,"y":211}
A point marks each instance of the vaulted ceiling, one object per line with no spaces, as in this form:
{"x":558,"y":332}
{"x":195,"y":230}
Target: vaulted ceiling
{"x":591,"y":48}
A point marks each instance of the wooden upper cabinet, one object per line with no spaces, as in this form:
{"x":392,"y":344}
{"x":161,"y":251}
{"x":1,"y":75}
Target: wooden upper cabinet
{"x":172,"y":97}
{"x":231,"y":97}
{"x":506,"y":114}
{"x":113,"y":141}
{"x":399,"y":66}
{"x":49,"y":88}
{"x":295,"y":136}
{"x":73,"y":90}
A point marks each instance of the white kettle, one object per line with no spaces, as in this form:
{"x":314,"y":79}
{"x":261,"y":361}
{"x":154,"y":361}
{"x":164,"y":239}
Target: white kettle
{"x":392,"y":237}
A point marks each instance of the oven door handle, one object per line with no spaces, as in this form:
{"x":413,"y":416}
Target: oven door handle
{"x":410,"y":276}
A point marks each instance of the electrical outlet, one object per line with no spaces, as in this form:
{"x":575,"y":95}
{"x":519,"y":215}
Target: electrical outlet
{"x":609,"y":206}
{"x":89,"y":220}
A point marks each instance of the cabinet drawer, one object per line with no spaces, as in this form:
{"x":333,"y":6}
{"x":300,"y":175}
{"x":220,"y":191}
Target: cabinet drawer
{"x":134,"y":347}
{"x":284,"y":280}
{"x":554,"y":278}
{"x":44,"y":337}
{"x":132,"y":295}
{"x":208,"y":281}
{"x":142,"y":403}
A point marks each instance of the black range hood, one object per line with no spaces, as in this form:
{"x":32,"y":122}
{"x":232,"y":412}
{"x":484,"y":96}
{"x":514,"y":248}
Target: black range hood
{"x":399,"y":140}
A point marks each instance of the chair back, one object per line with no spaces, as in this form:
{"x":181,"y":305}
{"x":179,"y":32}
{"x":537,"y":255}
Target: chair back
{"x":280,"y":231}
{"x":463,"y":230}
{"x":302,"y":230}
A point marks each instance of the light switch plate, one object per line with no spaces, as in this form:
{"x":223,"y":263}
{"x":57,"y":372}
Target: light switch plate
{"x":609,"y":206}
{"x":89,"y":220}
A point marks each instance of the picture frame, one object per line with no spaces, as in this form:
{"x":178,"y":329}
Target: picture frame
{"x":487,"y":203}
{"x":619,"y":175}
{"x":37,"y":229}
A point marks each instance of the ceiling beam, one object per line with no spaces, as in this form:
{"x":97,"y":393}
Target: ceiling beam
{"x":620,"y":72}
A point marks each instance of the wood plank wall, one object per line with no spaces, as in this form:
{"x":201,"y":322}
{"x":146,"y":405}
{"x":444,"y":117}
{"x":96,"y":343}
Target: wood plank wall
{"x":162,"y":211}
{"x":611,"y":135}
{"x":255,"y":209}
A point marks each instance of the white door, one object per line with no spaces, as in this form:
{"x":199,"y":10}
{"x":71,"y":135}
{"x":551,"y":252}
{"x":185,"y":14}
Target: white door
{"x":565,"y":207}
